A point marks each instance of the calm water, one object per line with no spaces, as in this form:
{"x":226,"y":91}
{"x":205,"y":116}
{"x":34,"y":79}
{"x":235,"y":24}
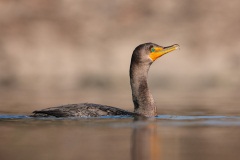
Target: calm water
{"x":116,"y":138}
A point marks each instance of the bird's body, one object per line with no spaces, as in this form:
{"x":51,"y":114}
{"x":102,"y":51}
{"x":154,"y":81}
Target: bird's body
{"x":81,"y":110}
{"x":142,"y":58}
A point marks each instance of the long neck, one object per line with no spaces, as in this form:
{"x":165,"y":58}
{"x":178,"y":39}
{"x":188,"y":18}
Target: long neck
{"x":142,"y":98}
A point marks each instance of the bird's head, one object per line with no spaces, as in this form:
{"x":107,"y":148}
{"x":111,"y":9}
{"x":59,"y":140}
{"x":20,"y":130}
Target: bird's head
{"x":149,"y":52}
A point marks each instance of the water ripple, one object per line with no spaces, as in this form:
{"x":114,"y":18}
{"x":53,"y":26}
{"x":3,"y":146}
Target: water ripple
{"x":162,"y":120}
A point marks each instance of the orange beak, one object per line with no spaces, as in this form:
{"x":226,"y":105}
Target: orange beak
{"x":160,"y":51}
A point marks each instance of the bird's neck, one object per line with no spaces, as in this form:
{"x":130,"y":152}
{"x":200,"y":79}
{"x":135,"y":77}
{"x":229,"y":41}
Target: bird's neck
{"x":142,"y":98}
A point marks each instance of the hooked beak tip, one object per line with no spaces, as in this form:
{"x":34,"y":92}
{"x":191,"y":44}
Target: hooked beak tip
{"x":176,"y":46}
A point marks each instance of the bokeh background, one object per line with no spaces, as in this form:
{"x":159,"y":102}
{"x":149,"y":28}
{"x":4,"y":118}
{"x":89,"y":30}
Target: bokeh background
{"x":70,"y":51}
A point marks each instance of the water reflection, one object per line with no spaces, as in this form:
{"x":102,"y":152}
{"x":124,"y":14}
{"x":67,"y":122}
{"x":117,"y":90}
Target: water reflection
{"x":145,"y":144}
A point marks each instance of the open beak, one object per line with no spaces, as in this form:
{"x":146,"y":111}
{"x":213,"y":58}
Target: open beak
{"x":160,"y":51}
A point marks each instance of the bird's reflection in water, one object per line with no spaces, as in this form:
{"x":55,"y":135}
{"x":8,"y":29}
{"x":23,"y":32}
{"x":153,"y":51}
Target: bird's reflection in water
{"x":145,"y":144}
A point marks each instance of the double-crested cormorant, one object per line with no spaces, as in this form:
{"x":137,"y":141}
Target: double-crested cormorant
{"x":142,"y":58}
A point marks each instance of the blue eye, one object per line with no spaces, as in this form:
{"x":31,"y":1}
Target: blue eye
{"x":152,"y":49}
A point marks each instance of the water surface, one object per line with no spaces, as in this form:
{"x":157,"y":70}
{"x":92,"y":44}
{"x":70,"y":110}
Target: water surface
{"x":168,"y":137}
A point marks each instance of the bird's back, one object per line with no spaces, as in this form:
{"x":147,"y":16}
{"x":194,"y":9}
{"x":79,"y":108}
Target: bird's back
{"x":80,"y":110}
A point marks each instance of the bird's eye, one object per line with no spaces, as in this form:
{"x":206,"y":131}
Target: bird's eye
{"x":152,"y":49}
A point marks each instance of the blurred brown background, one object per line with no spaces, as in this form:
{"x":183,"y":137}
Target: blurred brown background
{"x":70,"y":51}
